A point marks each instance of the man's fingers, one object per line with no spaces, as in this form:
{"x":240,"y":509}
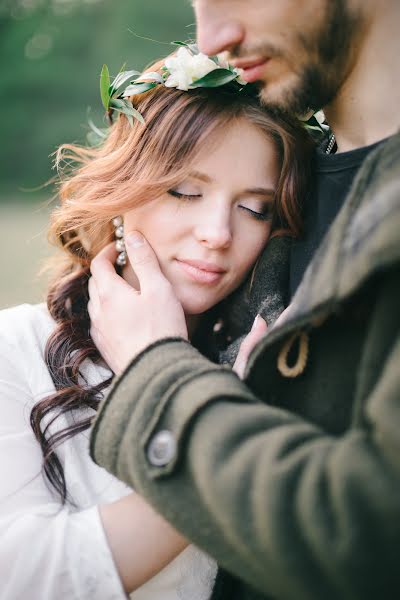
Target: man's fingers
{"x":258,"y":330}
{"x":143,"y":261}
{"x":102,"y":266}
{"x":105,"y":281}
{"x":93,"y":293}
{"x":281,"y":317}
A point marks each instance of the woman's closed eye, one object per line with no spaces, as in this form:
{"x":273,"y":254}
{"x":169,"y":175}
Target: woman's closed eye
{"x":182,"y":195}
{"x":187,"y":190}
{"x":259,"y":209}
{"x":258,"y":206}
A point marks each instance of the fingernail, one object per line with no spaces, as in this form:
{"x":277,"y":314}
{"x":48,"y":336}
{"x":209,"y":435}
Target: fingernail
{"x":134,"y":239}
{"x":255,"y":322}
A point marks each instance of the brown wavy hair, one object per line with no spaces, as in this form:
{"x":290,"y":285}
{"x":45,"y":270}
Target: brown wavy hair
{"x":133,"y":164}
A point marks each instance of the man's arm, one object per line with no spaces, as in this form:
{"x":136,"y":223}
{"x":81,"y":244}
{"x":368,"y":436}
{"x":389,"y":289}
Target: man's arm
{"x":291,"y":510}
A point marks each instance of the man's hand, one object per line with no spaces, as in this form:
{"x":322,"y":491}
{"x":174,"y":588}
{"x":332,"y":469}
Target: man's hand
{"x":124,"y":321}
{"x":258,"y":331}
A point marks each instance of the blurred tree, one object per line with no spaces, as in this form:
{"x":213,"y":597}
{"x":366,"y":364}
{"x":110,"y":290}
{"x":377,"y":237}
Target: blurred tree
{"x":52,"y":52}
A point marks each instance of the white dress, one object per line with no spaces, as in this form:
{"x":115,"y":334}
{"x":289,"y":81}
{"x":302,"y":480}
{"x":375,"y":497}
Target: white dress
{"x":49,"y":551}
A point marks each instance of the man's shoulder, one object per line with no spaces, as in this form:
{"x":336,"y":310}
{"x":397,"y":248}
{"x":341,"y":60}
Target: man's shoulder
{"x":363,"y":240}
{"x":376,"y":221}
{"x":382,"y":167}
{"x":391,"y":150}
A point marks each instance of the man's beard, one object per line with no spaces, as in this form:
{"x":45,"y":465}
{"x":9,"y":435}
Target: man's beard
{"x":329,"y":52}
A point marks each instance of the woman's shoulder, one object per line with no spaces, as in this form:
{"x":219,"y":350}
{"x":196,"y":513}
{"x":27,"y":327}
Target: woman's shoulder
{"x":25,"y":323}
{"x":24,"y":331}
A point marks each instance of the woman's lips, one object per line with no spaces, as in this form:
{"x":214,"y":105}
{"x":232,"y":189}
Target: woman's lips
{"x":202,"y":272}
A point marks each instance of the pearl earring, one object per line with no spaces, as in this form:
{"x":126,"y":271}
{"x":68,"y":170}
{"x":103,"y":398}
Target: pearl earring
{"x":119,"y":242}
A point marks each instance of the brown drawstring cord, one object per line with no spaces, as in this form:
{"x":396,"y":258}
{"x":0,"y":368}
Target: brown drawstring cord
{"x":301,"y":362}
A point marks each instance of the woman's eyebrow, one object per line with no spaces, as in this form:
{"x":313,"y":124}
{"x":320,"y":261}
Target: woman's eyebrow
{"x":260,"y":191}
{"x":257,"y":191}
{"x":200,"y":176}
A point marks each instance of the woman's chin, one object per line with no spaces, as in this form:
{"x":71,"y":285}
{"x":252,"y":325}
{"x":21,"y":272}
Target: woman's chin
{"x":196,"y":300}
{"x":196,"y":306}
{"x":195,"y":309}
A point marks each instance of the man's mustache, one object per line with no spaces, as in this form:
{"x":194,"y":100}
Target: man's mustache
{"x":262,"y":50}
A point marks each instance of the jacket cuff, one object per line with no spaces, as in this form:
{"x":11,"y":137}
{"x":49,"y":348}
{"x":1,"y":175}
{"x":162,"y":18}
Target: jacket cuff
{"x":141,"y":425}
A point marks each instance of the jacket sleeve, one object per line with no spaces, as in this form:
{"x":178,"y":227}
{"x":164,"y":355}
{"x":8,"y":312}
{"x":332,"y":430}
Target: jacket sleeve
{"x":47,"y":550}
{"x":296,"y":513}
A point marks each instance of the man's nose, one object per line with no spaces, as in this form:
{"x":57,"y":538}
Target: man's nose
{"x":216,"y":30}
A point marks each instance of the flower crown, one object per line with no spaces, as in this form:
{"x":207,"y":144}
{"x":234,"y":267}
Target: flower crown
{"x":185,"y":70}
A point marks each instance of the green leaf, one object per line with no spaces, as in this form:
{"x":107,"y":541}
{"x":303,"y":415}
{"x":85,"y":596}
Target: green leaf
{"x":313,"y":121}
{"x":178,"y":43}
{"x":93,"y":139}
{"x":126,"y":108}
{"x":136,"y":115}
{"x":150,"y":76}
{"x":314,"y":128}
{"x":105,"y":86}
{"x":101,"y":133}
{"x":215,"y":78}
{"x":190,"y":46}
{"x":119,"y":103}
{"x":122,"y":79}
{"x":139,"y":88}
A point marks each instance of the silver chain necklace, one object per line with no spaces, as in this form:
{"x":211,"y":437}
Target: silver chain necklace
{"x":331,"y":143}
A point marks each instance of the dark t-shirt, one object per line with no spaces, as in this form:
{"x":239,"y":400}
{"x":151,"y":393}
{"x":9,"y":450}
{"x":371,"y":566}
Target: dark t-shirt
{"x":333,"y":176}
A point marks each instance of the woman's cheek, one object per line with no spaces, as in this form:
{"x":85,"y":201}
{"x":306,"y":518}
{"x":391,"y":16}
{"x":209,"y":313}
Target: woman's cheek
{"x":252,"y":246}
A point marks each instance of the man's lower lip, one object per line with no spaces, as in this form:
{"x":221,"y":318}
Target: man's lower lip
{"x":199,"y":275}
{"x":254,"y":73}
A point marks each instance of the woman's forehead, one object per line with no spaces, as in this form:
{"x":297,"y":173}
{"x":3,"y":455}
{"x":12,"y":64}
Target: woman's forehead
{"x":241,"y":152}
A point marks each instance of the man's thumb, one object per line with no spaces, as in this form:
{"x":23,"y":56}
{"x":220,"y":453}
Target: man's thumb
{"x":142,"y":258}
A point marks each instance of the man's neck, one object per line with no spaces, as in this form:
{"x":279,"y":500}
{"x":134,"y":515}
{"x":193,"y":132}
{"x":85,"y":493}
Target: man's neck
{"x":366,"y":108}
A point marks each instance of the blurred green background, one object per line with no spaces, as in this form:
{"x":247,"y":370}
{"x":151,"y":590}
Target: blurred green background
{"x":51,"y":52}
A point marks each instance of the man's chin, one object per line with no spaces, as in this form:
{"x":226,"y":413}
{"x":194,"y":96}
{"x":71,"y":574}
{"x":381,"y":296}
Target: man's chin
{"x":283,"y":96}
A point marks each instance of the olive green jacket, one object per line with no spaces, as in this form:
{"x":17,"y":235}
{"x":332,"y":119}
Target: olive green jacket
{"x":290,"y":479}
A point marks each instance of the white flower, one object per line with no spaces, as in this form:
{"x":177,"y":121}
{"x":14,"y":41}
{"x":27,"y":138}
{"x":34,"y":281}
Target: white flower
{"x":223,"y":61}
{"x":239,"y":78}
{"x":320,"y":117}
{"x":185,"y":68}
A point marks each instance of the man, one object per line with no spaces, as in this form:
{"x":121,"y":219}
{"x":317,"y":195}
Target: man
{"x":290,"y":478}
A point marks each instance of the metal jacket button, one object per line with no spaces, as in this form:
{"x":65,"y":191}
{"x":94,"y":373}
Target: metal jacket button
{"x":161,"y":449}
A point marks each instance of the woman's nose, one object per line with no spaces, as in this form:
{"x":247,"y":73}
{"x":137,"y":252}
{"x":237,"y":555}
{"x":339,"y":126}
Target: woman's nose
{"x":217,"y":31}
{"x":215,"y":232}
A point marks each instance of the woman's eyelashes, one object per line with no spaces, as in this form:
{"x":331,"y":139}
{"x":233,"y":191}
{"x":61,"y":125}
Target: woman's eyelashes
{"x":183,"y":195}
{"x":261,"y":210}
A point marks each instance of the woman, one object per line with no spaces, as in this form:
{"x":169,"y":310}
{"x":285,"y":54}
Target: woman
{"x":206,"y":180}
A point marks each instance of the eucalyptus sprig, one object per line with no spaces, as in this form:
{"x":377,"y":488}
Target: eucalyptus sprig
{"x":110,"y":92}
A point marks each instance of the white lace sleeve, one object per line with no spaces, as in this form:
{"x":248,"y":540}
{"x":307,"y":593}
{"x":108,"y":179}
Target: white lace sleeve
{"x":47,"y":552}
